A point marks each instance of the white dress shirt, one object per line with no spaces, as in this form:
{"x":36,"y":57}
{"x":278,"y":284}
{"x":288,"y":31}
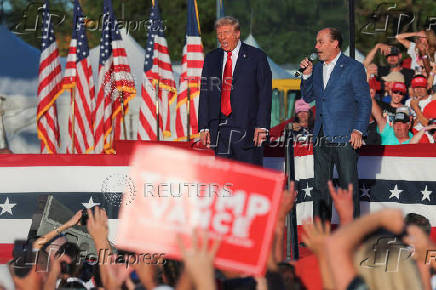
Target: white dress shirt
{"x":235,"y":53}
{"x":328,"y":68}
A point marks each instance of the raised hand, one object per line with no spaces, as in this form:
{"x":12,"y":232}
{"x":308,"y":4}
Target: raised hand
{"x":199,"y":260}
{"x":343,"y":201}
{"x":314,"y":234}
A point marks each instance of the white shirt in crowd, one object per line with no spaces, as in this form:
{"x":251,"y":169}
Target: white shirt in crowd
{"x":422,"y":103}
{"x":412,"y":51}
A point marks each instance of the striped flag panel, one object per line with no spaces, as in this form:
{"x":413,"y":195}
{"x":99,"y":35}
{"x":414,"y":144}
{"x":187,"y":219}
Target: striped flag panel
{"x":116,"y":86}
{"x":192,"y":65}
{"x":78,"y":78}
{"x":158,"y":88}
{"x":393,"y":178}
{"x":49,"y":87}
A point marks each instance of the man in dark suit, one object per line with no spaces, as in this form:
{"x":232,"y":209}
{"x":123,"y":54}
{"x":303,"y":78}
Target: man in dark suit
{"x":234,"y":112}
{"x":343,"y":106}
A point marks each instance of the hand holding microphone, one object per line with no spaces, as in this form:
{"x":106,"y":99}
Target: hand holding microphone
{"x":306,"y":65}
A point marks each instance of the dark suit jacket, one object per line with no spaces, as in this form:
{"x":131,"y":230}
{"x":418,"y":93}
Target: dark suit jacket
{"x":250,"y":96}
{"x":345,"y":103}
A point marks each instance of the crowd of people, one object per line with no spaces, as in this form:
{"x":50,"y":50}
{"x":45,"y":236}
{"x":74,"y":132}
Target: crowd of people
{"x":402,"y":85}
{"x":403,"y":90}
{"x":355,"y":255}
{"x":53,"y":262}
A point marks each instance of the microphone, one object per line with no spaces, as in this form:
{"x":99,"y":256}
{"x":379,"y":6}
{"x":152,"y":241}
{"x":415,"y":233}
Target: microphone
{"x":312,"y":58}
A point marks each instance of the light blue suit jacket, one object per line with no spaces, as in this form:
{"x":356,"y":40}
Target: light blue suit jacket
{"x":345,"y":103}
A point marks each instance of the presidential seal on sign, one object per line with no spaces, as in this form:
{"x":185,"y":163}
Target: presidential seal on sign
{"x":118,"y":188}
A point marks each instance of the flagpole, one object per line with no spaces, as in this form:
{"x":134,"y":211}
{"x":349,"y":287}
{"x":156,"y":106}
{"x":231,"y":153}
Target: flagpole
{"x":157,"y":93}
{"x":73,"y":121}
{"x":188,"y":104}
{"x":157,"y":110}
{"x":123,"y":117}
{"x":3,"y":140}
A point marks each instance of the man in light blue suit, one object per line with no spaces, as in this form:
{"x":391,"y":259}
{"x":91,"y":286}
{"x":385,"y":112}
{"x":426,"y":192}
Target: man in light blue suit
{"x":343,"y":105}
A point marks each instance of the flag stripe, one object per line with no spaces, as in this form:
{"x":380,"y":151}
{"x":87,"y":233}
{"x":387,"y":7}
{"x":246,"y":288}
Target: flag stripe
{"x":77,"y":67}
{"x":47,"y":61}
{"x":192,"y":64}
{"x":114,"y":81}
{"x":405,"y":182}
{"x":158,"y":88}
{"x":49,"y":87}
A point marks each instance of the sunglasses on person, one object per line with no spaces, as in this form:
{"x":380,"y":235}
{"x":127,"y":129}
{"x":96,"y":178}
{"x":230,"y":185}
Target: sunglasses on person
{"x":398,"y":92}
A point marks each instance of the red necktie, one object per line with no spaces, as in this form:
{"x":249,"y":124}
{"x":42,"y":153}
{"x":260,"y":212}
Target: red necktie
{"x":226,"y":107}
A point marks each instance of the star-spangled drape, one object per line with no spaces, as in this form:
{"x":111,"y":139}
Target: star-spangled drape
{"x":394,"y":177}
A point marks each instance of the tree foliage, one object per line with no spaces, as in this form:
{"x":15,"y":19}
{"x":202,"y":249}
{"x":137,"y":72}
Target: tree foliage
{"x":285,"y":29}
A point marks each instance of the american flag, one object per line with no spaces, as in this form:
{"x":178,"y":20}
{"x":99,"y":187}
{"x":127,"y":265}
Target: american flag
{"x":115,"y":82}
{"x":49,"y":87}
{"x":158,"y":88}
{"x":78,"y":77}
{"x":192,"y":65}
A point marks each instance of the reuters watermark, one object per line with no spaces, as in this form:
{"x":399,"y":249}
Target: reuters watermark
{"x":187,"y":189}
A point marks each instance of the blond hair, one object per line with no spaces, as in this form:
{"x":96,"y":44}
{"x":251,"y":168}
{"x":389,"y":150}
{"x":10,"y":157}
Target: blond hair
{"x":431,"y":40}
{"x":401,"y":274}
{"x":228,"y":20}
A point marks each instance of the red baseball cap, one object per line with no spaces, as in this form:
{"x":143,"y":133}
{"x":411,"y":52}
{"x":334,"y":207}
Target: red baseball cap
{"x":419,"y":82}
{"x":397,"y":86}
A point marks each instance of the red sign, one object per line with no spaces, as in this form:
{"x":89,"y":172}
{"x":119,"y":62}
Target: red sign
{"x":179,"y":190}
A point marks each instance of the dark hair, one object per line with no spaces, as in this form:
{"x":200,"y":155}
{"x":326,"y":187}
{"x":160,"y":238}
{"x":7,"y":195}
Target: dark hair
{"x":246,"y":283}
{"x":310,"y":121}
{"x":71,"y":285}
{"x":418,"y":76}
{"x":335,"y":34}
{"x":172,"y":271}
{"x":418,"y":220}
{"x":73,"y":251}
